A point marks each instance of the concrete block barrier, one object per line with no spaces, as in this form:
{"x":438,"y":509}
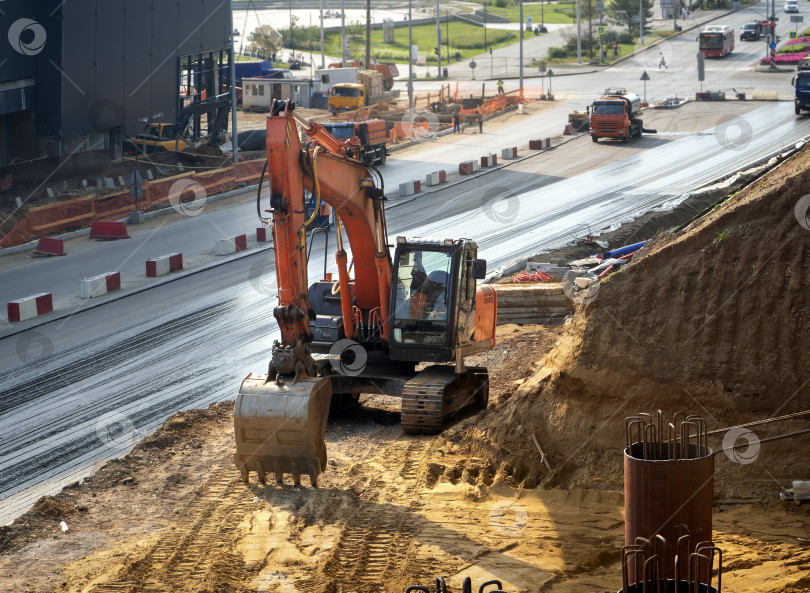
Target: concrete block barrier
{"x":532,"y":303}
{"x":436,"y":178}
{"x":569,"y":129}
{"x":102,"y":229}
{"x":489,"y":160}
{"x":263,"y":235}
{"x":230,"y":245}
{"x":30,"y":306}
{"x":509,"y":153}
{"x":467,"y":167}
{"x":541,"y":144}
{"x":48,"y":246}
{"x":408,"y":188}
{"x":101,"y":284}
{"x":163,"y":265}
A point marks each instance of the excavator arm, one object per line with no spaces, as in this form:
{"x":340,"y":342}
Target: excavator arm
{"x":280,"y":418}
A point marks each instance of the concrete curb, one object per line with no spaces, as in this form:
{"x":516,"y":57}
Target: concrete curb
{"x":147,"y":215}
{"x":118,"y":296}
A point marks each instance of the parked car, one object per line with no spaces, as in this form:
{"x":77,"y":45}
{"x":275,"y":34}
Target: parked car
{"x":791,"y":6}
{"x":751,"y":31}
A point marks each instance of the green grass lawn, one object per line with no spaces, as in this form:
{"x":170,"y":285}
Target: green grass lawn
{"x":466,"y":39}
{"x":545,"y":13}
{"x":624,"y":50}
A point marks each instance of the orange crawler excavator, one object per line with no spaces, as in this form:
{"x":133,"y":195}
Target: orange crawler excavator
{"x":365,"y":334}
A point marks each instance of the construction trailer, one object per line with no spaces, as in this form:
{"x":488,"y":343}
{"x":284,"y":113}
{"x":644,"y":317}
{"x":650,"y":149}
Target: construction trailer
{"x":258,"y":93}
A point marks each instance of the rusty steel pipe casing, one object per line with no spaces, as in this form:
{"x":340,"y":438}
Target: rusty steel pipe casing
{"x":668,"y":497}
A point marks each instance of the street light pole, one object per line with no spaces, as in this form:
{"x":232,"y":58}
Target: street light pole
{"x":342,"y":36}
{"x":641,"y":21}
{"x":323,"y":51}
{"x":447,"y":18}
{"x":410,"y":65}
{"x":579,"y":36}
{"x":231,"y":74}
{"x":520,"y":66}
{"x":438,"y":41}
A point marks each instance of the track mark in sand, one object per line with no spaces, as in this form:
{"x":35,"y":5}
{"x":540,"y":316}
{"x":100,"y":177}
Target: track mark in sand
{"x":196,"y":549}
{"x":378,"y":538}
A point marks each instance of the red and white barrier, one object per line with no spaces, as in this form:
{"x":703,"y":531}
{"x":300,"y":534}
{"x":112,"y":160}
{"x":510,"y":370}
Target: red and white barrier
{"x":468,"y":167}
{"x":100,"y":285}
{"x":541,"y":144}
{"x":230,"y":245}
{"x":569,"y":129}
{"x":48,"y":246}
{"x":102,"y":229}
{"x":30,"y":306}
{"x":436,"y":178}
{"x":410,"y":187}
{"x":509,"y":153}
{"x":163,"y":265}
{"x":489,"y":160}
{"x":263,"y":235}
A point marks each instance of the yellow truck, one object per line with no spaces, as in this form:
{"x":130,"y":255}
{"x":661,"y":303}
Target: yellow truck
{"x":348,"y":96}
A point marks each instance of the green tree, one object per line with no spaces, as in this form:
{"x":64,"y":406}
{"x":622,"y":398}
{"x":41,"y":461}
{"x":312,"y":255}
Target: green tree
{"x":622,"y":12}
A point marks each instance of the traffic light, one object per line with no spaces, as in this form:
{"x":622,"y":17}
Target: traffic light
{"x":436,"y":50}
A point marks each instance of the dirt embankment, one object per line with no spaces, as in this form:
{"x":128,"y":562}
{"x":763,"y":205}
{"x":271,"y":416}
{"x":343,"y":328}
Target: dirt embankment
{"x":713,"y":321}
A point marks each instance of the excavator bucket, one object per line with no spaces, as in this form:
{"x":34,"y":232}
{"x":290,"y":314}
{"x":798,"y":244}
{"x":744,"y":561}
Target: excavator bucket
{"x":279,"y":427}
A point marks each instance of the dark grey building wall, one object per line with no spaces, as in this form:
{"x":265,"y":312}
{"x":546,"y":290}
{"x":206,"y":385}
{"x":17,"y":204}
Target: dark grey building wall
{"x":16,"y":65}
{"x":114,"y":62}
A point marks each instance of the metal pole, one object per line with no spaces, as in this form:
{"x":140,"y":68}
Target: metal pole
{"x":579,"y":37}
{"x":641,"y":20}
{"x":342,"y":36}
{"x":323,"y":51}
{"x":368,"y":35}
{"x":485,"y":24}
{"x":232,"y":73}
{"x":438,"y":41}
{"x":447,"y":16}
{"x":520,"y":66}
{"x":410,"y":65}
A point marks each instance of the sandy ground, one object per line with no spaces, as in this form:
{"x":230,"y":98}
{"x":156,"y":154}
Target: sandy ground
{"x":391,"y":511}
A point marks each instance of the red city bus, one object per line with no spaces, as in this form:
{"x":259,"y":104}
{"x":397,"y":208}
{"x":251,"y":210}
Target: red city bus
{"x":716,"y":41}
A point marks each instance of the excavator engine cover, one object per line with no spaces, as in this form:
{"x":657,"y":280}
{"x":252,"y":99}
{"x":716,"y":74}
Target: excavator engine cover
{"x":280,"y":426}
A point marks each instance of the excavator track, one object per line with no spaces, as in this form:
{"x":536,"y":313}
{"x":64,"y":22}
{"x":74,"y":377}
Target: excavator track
{"x":438,"y":391}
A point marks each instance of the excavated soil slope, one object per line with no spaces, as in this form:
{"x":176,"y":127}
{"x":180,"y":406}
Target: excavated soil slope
{"x":713,"y":321}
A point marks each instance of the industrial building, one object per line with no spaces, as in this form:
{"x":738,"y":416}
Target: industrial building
{"x":87,"y":74}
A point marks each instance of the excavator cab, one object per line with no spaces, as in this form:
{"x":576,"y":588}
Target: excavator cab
{"x":433,"y":299}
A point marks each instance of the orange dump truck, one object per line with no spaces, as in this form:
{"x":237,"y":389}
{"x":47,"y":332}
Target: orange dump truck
{"x":365,"y":140}
{"x":616,"y":114}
